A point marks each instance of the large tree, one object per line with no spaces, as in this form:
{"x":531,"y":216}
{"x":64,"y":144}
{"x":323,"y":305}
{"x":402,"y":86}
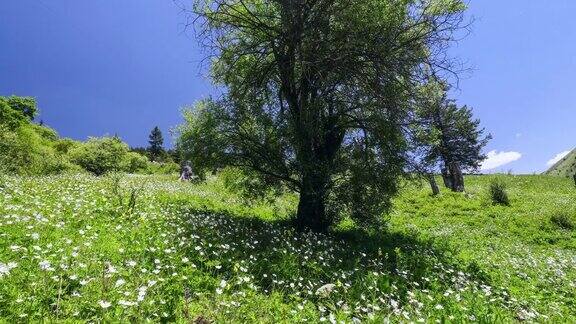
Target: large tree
{"x":316,"y":95}
{"x":447,"y":136}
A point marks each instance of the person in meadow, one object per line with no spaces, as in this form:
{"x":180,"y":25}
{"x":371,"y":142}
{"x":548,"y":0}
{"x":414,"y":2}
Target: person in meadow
{"x":186,"y":172}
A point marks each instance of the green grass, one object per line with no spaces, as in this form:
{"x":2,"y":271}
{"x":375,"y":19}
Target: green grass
{"x":74,"y":248}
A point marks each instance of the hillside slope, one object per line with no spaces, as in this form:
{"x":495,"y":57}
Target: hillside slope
{"x":565,"y":167}
{"x":73,"y":249}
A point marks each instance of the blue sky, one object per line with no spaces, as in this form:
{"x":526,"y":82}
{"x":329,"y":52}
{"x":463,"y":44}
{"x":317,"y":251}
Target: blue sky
{"x":124,"y":66}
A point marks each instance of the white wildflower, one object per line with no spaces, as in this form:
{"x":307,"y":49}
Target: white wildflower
{"x":325,"y":290}
{"x":45,"y":265}
{"x":5,"y":268}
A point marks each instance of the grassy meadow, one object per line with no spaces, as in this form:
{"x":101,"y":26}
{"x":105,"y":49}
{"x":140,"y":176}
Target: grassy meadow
{"x":148,"y":248}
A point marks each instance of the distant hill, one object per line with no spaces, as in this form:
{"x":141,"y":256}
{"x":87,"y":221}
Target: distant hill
{"x":565,"y":167}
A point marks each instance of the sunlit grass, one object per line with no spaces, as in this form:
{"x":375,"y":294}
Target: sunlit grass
{"x":71,"y":248}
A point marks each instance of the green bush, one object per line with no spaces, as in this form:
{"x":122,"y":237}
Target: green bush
{"x":498,"y":193}
{"x":162,"y":168}
{"x":64,"y":145}
{"x":134,"y":162}
{"x":101,"y":155}
{"x":565,"y":219}
{"x":250,"y":186}
{"x":27,"y":148}
{"x":25,"y":151}
{"x":26,"y":106}
{"x":14,"y":151}
{"x":11,"y":119}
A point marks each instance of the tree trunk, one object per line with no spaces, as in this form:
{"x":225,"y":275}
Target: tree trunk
{"x":433,"y":184}
{"x":447,"y":178}
{"x":574,"y":176}
{"x":311,"y":213}
{"x":457,"y":178}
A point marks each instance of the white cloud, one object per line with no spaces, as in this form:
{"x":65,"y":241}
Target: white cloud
{"x":496,"y":159}
{"x":557,"y":158}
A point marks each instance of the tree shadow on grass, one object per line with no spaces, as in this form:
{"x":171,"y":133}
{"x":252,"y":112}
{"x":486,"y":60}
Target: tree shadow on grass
{"x":349,"y":268}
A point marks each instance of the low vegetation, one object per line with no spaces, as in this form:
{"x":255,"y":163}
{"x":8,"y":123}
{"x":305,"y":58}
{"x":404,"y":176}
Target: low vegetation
{"x":27,"y":148}
{"x":131,"y":248}
{"x":307,"y":200}
{"x":498,"y":193}
{"x":564,"y":218}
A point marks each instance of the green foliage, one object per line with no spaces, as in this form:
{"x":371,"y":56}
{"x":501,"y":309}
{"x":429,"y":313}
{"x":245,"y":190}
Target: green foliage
{"x":564,"y":218}
{"x":46,"y":133}
{"x":65,"y":145}
{"x":166,"y":168}
{"x":109,"y":154}
{"x":364,"y":193}
{"x":28,"y":150}
{"x":101,"y":155}
{"x":200,"y":139}
{"x":444,"y":134}
{"x":134,"y":163}
{"x":517,"y":247}
{"x":316,"y":96}
{"x":91,"y":250}
{"x":124,"y":199}
{"x":498,"y":193}
{"x":248,"y":185}
{"x":11,"y":118}
{"x":24,"y":105}
{"x":156,"y":142}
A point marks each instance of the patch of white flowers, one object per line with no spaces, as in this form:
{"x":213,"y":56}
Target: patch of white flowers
{"x":5,"y":268}
{"x":75,"y":250}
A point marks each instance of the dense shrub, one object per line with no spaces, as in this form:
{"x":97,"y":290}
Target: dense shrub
{"x":11,"y":119}
{"x":101,"y":155}
{"x":162,"y":168}
{"x":65,"y":145}
{"x":26,"y":106}
{"x":26,"y":150}
{"x":29,"y":149}
{"x":498,"y":193}
{"x":135,"y":163}
{"x":249,"y":186}
{"x":15,"y":151}
{"x":565,"y":218}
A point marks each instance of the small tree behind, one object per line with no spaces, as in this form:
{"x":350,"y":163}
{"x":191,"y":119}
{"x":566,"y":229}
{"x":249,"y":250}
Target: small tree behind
{"x":156,"y":142}
{"x":447,"y":135}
